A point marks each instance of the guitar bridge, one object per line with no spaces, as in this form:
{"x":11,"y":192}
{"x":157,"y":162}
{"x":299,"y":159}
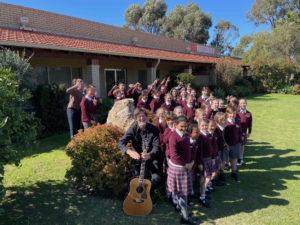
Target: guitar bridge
{"x":138,"y":200}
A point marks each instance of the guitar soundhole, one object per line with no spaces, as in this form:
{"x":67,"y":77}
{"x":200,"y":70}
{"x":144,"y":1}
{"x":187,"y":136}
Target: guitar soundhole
{"x":139,"y":189}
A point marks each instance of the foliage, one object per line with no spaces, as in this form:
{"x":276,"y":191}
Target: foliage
{"x":285,"y":89}
{"x":219,"y":92}
{"x":50,"y":101}
{"x":188,"y":23}
{"x":97,"y":163}
{"x":18,"y":64}
{"x":240,"y":91}
{"x":296,"y":89}
{"x":104,"y":109}
{"x":186,"y":78}
{"x":227,"y":72}
{"x":272,"y":73}
{"x":18,"y":127}
{"x":225,"y":33}
{"x":149,"y":18}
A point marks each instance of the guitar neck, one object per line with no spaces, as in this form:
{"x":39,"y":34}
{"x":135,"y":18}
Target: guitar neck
{"x":143,"y":164}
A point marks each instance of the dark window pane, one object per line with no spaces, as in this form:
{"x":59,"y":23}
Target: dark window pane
{"x":60,"y":75}
{"x":110,"y":79}
{"x":41,"y":75}
{"x":143,"y":78}
{"x":121,"y":76}
{"x":76,"y":73}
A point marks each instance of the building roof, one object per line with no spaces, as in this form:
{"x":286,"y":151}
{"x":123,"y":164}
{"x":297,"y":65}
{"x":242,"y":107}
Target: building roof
{"x":30,"y":39}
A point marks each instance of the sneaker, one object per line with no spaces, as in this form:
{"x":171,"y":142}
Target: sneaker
{"x":235,"y":177}
{"x":217,"y":183}
{"x":204,"y":202}
{"x":243,"y":162}
{"x":190,"y":220}
{"x":211,"y":189}
{"x":227,"y":167}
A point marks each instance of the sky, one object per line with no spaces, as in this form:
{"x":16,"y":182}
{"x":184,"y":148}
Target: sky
{"x":112,"y":11}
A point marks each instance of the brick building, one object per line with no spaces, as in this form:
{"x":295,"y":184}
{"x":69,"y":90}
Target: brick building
{"x":65,"y":47}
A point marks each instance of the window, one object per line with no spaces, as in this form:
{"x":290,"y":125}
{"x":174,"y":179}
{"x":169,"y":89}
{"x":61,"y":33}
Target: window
{"x":113,"y":76}
{"x":57,"y":75}
{"x":142,"y":78}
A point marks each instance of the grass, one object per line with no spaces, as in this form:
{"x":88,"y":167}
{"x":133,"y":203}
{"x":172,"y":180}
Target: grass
{"x":269,"y":192}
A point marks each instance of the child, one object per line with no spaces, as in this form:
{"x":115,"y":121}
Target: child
{"x":221,"y":106}
{"x":220,"y":119}
{"x":178,"y":111}
{"x":134,"y":92}
{"x":204,"y":96}
{"x":246,"y":123}
{"x":188,"y":88}
{"x":216,"y":159}
{"x":182,"y":97}
{"x":121,"y":87}
{"x":143,"y":101}
{"x":169,"y":104}
{"x":233,"y":138}
{"x":117,"y":95}
{"x":188,"y":109}
{"x":88,"y":106}
{"x":194,"y":95}
{"x":156,"y":102}
{"x":200,"y":114}
{"x":205,"y":163}
{"x":214,"y":108}
{"x":194,"y":135}
{"x":160,"y":113}
{"x":179,"y":178}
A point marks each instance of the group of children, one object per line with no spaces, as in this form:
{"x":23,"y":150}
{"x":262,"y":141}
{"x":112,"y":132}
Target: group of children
{"x":198,"y":137}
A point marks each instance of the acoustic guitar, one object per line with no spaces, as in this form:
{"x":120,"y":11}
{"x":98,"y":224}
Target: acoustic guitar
{"x":138,"y":201}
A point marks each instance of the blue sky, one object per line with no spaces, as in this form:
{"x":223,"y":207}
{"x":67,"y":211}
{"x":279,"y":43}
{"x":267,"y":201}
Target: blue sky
{"x":112,"y":11}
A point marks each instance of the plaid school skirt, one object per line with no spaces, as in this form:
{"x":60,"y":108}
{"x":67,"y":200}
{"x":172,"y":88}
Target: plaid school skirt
{"x":179,"y":180}
{"x":217,"y":163}
{"x":208,"y":168}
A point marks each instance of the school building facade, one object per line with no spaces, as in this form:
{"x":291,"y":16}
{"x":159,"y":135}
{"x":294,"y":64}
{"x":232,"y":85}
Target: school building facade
{"x":64,"y":48}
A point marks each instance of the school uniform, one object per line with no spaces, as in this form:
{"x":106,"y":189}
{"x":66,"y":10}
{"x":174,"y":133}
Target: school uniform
{"x":110,"y":94}
{"x":133,"y":93}
{"x":211,"y":114}
{"x":181,"y":102}
{"x":143,"y":104}
{"x":155,"y":104}
{"x":205,"y":153}
{"x":189,"y":112}
{"x":194,"y":151}
{"x":202,"y":99}
{"x":223,"y":110}
{"x":165,"y":141}
{"x":233,"y":138}
{"x":223,"y":151}
{"x":215,"y":152}
{"x":246,"y":123}
{"x":168,"y":106}
{"x":87,"y":108}
{"x":179,"y":179}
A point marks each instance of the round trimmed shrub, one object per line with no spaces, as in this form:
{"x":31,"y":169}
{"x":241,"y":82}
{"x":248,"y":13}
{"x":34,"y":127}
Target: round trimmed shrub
{"x":97,"y":163}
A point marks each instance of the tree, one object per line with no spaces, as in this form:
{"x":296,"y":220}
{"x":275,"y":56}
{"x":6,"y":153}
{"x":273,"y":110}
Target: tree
{"x":132,"y":16}
{"x":268,"y":11}
{"x":149,"y":18}
{"x":188,"y":23}
{"x":225,"y":34}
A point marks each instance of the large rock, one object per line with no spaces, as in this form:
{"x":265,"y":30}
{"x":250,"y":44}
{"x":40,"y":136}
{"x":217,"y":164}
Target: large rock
{"x":121,"y":114}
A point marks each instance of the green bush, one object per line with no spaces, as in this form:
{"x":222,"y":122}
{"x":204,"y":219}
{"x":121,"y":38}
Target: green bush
{"x":219,"y":92}
{"x":18,"y":128}
{"x":240,"y":91}
{"x":106,"y":106}
{"x":50,"y":102}
{"x":97,"y":163}
{"x":285,"y":89}
{"x":18,"y":64}
{"x":186,"y":78}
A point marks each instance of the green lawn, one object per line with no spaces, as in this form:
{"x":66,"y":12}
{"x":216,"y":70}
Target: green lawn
{"x":269,"y":192}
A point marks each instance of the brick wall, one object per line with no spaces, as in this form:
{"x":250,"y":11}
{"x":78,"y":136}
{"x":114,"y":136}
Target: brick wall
{"x":60,"y":24}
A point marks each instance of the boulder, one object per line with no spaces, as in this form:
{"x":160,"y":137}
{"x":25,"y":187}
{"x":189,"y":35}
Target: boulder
{"x":121,"y":114}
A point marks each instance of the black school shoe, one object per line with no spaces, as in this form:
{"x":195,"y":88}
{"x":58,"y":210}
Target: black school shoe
{"x":204,"y":202}
{"x":235,"y":177}
{"x":227,"y":167}
{"x":217,"y":182}
{"x":190,"y":220}
{"x":222,"y":177}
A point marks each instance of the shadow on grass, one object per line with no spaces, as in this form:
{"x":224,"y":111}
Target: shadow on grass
{"x":56,"y":203}
{"x":56,"y":142}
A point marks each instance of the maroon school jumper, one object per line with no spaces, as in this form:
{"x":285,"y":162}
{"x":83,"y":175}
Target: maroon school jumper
{"x":214,"y":143}
{"x":169,"y":107}
{"x":221,"y":143}
{"x":232,"y":133}
{"x":194,"y":150}
{"x":211,"y":114}
{"x":245,"y":121}
{"x":180,"y":153}
{"x":181,"y":102}
{"x":155,"y":104}
{"x":223,"y":110}
{"x":189,"y":113}
{"x":165,"y":140}
{"x":87,"y":109}
{"x":205,"y":148}
{"x":201,"y":100}
{"x":133,"y":93}
{"x":142,"y":104}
